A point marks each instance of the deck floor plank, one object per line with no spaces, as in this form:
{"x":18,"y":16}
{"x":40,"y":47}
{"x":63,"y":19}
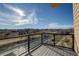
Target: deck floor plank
{"x":52,"y":51}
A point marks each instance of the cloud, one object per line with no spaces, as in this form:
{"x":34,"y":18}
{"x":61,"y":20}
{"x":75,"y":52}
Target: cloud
{"x":8,"y":16}
{"x":31,"y":19}
{"x":22,"y":22}
{"x":3,"y":23}
{"x":7,"y":19}
{"x":16,"y":10}
{"x":58,"y":26}
{"x":21,"y":18}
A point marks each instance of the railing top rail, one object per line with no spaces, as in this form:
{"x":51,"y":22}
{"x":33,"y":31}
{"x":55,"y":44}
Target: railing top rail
{"x":64,"y":34}
{"x":30,"y":34}
{"x":59,"y":33}
{"x":21,"y":36}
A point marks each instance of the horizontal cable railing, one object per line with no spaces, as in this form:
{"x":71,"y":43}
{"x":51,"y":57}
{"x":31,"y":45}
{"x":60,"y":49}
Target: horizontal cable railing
{"x":25,"y":44}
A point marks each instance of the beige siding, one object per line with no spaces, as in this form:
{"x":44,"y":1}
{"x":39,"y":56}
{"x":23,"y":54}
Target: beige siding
{"x":76,"y":26}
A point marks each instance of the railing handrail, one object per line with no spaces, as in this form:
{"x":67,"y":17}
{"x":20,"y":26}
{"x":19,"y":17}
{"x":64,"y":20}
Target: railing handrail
{"x":34,"y":34}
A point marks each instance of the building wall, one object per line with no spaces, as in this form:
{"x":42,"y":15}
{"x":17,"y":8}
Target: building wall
{"x":76,"y":26}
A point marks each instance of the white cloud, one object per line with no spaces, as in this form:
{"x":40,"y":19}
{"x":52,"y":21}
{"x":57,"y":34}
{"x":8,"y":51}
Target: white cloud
{"x":3,"y":23}
{"x":31,"y":19}
{"x":21,"y":18}
{"x":22,"y":22}
{"x":16,"y":10}
{"x":8,"y":16}
{"x":58,"y":26}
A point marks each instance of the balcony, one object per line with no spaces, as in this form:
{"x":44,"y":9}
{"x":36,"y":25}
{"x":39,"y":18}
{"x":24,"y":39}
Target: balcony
{"x":38,"y":44}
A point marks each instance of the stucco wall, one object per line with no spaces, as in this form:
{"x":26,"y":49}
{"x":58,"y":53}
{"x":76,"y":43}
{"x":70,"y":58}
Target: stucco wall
{"x":76,"y":26}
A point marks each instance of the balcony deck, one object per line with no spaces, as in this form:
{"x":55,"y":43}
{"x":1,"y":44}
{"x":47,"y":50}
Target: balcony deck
{"x":53,"y":51}
{"x":45,"y":50}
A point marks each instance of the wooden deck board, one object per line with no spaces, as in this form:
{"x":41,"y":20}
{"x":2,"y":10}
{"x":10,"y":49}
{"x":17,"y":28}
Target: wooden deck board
{"x":51,"y":51}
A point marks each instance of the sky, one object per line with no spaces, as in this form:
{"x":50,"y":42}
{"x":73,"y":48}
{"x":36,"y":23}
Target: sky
{"x":35,"y":16}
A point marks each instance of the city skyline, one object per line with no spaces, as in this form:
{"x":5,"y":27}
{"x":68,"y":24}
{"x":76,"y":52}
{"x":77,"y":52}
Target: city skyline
{"x":36,"y":16}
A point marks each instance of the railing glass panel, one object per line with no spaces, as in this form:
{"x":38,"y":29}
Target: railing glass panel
{"x":35,"y":41}
{"x":64,"y":40}
{"x":15,"y":48}
{"x":48,"y":38}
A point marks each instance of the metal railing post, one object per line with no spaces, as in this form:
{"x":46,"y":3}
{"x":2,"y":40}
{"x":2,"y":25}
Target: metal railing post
{"x":29,"y":44}
{"x":54,"y":39}
{"x":41,"y":38}
{"x":73,"y":42}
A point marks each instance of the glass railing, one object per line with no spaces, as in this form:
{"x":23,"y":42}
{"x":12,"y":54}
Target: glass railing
{"x":24,"y":45}
{"x":64,"y":40}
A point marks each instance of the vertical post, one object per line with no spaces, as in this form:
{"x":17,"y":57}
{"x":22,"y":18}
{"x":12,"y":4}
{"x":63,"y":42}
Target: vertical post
{"x":73,"y":42}
{"x":29,"y":44}
{"x":54,"y":39}
{"x":41,"y":38}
